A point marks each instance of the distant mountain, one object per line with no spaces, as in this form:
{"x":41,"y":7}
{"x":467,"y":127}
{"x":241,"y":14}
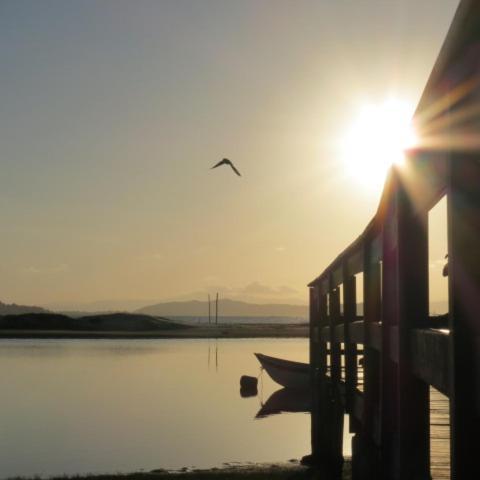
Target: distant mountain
{"x":226,"y":308}
{"x":99,"y":306}
{"x":14,"y":309}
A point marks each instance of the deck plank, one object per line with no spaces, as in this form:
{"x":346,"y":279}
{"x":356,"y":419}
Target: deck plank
{"x":439,"y":436}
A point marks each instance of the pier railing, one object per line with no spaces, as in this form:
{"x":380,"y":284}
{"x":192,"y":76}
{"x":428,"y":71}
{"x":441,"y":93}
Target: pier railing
{"x":404,"y":351}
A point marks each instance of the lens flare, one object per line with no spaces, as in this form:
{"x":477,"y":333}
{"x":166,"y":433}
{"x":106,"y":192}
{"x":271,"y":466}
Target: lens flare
{"x":376,"y":139}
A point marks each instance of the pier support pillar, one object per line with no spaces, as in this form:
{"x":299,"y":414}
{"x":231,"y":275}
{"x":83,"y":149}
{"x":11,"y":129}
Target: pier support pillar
{"x":463,"y":197}
{"x":365,"y":458}
{"x":405,"y":398}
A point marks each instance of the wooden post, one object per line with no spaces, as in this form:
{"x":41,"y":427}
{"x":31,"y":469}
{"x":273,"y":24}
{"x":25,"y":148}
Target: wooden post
{"x":463,"y":208}
{"x":413,"y":393}
{"x":336,"y":411}
{"x":322,"y":347}
{"x":349,"y":316}
{"x":314,"y":358}
{"x":327,"y":414}
{"x":314,"y":327}
{"x":405,"y":398}
{"x":364,"y":458}
{"x":335,"y":348}
{"x":390,"y":342}
{"x":216,"y":310}
{"x":372,"y":302}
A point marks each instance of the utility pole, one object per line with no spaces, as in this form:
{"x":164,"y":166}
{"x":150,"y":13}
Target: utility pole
{"x":209,"y":315}
{"x":216,"y":310}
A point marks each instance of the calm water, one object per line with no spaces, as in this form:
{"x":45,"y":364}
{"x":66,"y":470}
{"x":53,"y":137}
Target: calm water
{"x":78,"y":406}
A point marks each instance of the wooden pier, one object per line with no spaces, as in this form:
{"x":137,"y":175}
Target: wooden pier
{"x":414,"y":399}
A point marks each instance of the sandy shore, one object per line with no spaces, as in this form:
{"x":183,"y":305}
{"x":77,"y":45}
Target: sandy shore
{"x":214,"y":331}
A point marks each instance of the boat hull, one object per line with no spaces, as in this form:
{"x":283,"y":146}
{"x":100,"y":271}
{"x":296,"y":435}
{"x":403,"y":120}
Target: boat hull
{"x":285,"y":372}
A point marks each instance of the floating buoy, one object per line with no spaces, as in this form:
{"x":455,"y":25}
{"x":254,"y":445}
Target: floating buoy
{"x":246,"y":393}
{"x":248,"y":383}
{"x":248,"y":386}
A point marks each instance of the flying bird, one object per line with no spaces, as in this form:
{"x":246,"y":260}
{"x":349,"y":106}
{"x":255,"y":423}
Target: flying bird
{"x":226,"y":161}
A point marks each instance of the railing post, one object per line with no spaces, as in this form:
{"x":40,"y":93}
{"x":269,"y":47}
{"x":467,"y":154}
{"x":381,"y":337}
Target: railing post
{"x":322,"y":451}
{"x":335,"y":348}
{"x":322,"y":348}
{"x":405,"y":398}
{"x":314,"y":328}
{"x":371,"y":367}
{"x":390,"y":343}
{"x":463,"y":197}
{"x":349,"y":316}
{"x":336,"y":410}
{"x":315,"y":363}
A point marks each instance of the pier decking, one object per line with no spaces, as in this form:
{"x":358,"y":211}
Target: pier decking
{"x":414,"y":404}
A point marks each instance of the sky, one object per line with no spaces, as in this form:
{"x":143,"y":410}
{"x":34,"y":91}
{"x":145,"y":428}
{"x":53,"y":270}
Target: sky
{"x":112,"y":113}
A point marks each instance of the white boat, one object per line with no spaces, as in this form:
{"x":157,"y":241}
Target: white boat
{"x":285,"y":372}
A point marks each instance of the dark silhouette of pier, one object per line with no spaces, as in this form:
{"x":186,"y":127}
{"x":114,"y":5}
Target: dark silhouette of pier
{"x":413,"y":400}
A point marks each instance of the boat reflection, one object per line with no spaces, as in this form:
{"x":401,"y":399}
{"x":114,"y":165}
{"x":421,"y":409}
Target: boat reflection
{"x":286,"y":400}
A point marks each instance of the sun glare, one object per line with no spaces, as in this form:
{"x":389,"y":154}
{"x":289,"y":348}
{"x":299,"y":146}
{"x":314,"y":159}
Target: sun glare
{"x":376,"y":139}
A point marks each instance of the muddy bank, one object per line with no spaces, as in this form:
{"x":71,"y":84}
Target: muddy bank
{"x":292,"y":471}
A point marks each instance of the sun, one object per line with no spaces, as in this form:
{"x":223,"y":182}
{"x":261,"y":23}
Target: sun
{"x":376,"y":139}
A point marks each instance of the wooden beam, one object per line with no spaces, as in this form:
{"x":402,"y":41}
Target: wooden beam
{"x":358,"y":406}
{"x":357,"y":332}
{"x":376,"y":249}
{"x":424,"y":177}
{"x":464,"y":294}
{"x":374,"y":335}
{"x":340,"y":333}
{"x":354,"y":263}
{"x":430,"y":357}
{"x":324,"y":286}
{"x":325,"y":334}
{"x":336,"y":277}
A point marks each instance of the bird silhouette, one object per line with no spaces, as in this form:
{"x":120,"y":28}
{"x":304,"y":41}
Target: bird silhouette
{"x":226,"y":161}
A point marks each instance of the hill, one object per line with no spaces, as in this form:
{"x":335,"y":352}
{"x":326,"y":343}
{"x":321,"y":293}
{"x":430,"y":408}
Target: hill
{"x":226,"y":307}
{"x":123,"y":322}
{"x":128,"y":322}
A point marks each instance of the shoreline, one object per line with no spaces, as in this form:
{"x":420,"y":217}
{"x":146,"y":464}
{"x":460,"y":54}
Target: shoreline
{"x":254,"y":471}
{"x":216,"y":332}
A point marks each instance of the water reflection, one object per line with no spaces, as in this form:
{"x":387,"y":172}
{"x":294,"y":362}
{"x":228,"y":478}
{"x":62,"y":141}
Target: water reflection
{"x":286,"y":400}
{"x":123,"y":405}
{"x":213,"y":352}
{"x":65,"y":347}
